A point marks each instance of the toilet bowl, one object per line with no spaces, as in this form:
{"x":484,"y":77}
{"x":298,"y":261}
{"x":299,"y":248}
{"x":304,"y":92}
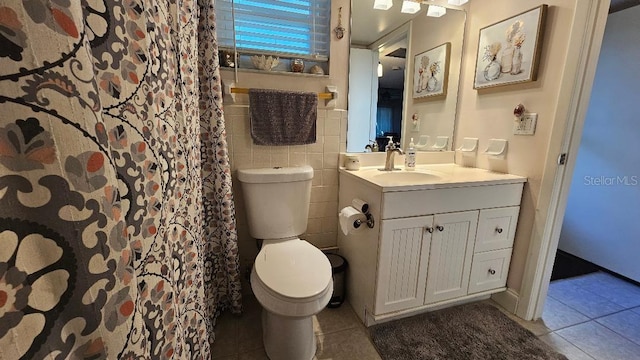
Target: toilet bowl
{"x":290,"y":281}
{"x":291,"y":278}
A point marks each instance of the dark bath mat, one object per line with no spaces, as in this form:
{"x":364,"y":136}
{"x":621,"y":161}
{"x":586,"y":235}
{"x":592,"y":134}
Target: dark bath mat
{"x":475,"y":331}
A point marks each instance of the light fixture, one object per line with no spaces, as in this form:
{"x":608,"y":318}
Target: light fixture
{"x":380,"y":70}
{"x":383,"y":4}
{"x":436,"y":11}
{"x":457,"y":2}
{"x":410,"y":7}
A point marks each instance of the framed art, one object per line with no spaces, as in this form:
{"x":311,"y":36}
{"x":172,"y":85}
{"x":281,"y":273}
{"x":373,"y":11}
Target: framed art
{"x":431,"y":72}
{"x":509,"y":51}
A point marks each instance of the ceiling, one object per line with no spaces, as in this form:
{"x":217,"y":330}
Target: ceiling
{"x":369,"y":24}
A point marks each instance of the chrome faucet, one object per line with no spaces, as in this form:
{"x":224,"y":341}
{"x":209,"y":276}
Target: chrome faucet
{"x":391,"y":149}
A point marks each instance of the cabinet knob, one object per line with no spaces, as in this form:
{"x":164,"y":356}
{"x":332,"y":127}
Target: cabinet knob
{"x":429,"y":229}
{"x":439,"y":227}
{"x":499,"y":230}
{"x":492,"y":272}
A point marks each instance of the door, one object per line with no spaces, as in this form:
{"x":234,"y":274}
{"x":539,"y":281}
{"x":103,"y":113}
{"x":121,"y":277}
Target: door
{"x":450,"y":256}
{"x":402,"y":263}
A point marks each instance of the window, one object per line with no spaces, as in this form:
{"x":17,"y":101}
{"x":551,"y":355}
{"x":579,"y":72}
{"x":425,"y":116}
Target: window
{"x":298,"y":28}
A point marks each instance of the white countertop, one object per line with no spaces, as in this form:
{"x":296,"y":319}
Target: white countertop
{"x":435,"y":176}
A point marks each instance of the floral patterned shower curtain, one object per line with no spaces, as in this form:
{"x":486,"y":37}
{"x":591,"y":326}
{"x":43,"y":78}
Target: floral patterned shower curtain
{"x":117,"y":228}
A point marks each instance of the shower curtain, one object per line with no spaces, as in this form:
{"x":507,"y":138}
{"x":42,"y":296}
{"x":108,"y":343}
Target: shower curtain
{"x":117,"y":224}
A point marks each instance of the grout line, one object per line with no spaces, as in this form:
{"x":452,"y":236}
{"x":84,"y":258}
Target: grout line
{"x":622,"y":335}
{"x":576,"y":346}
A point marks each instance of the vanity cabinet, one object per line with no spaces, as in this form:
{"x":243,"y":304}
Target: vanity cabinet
{"x":424,"y":260}
{"x":430,"y":247}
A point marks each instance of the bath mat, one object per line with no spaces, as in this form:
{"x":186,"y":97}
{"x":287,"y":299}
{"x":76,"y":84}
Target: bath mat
{"x":475,"y":331}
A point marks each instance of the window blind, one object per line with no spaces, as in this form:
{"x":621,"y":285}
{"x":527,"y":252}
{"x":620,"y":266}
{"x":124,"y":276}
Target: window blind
{"x":285,"y":27}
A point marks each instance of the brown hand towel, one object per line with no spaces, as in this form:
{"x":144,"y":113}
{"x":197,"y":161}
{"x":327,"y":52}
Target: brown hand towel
{"x":281,"y":117}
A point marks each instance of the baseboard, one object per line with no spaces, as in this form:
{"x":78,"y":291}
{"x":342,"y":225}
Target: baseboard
{"x":507,"y":299}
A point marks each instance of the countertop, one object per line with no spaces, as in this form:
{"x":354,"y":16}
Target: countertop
{"x":435,"y":176}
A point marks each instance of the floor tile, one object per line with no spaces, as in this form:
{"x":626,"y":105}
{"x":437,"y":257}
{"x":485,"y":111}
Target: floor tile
{"x":226,"y":341}
{"x":625,"y":323}
{"x":559,"y":344}
{"x":559,"y":287}
{"x":557,"y":315}
{"x":336,"y":319}
{"x":586,"y":302}
{"x":600,"y":342}
{"x":346,"y":345}
{"x":584,"y":280}
{"x":257,"y":354}
{"x":614,"y":289}
{"x":230,"y":357}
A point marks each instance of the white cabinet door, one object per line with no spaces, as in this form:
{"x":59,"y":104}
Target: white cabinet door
{"x":450,"y":257}
{"x":402,"y":263}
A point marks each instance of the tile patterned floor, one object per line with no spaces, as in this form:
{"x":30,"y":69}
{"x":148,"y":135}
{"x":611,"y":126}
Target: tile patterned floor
{"x":595,"y":316}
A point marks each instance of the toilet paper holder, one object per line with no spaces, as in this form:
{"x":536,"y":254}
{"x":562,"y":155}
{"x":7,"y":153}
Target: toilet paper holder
{"x":363,"y":207}
{"x":370,"y":222}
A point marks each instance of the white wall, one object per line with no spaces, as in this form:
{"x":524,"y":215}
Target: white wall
{"x":601,"y":221}
{"x":488,"y":113}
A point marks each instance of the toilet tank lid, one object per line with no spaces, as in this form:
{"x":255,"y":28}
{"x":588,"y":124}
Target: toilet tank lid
{"x":275,"y":174}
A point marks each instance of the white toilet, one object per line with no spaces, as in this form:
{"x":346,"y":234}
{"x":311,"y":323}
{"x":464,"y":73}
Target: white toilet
{"x":291,"y":278}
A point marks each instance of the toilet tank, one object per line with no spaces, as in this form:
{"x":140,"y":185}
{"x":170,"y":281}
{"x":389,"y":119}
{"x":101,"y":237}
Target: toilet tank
{"x":276,"y":200}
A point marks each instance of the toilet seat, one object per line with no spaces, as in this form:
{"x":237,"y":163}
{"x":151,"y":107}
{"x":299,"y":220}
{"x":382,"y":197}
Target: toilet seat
{"x":292,"y":278}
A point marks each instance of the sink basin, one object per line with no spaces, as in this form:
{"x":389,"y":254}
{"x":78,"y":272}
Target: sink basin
{"x":405,"y":177}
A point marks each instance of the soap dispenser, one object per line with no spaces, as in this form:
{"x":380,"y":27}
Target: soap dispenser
{"x":410,"y":157}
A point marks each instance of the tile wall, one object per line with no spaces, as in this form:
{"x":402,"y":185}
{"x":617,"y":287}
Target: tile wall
{"x":322,"y":156}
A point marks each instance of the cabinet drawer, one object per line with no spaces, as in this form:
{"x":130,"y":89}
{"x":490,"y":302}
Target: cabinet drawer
{"x":496,"y":228}
{"x":489,"y":270}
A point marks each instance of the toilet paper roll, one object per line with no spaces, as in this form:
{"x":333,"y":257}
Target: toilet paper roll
{"x":349,"y":217}
{"x":360,"y":205}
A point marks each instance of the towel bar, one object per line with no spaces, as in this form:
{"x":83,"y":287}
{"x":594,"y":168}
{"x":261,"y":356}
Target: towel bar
{"x":329,"y":97}
{"x":321,"y":96}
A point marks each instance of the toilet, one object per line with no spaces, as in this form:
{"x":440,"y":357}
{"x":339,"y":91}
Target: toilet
{"x":291,"y":278}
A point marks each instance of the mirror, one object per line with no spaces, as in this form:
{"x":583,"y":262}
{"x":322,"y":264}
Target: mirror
{"x":383,"y":106}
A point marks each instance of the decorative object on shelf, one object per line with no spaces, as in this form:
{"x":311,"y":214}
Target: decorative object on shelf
{"x":339,"y":30}
{"x":227,"y":58}
{"x":297,"y":65}
{"x":316,"y":70}
{"x":431,"y":73}
{"x":266,"y":63}
{"x":512,"y":49}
